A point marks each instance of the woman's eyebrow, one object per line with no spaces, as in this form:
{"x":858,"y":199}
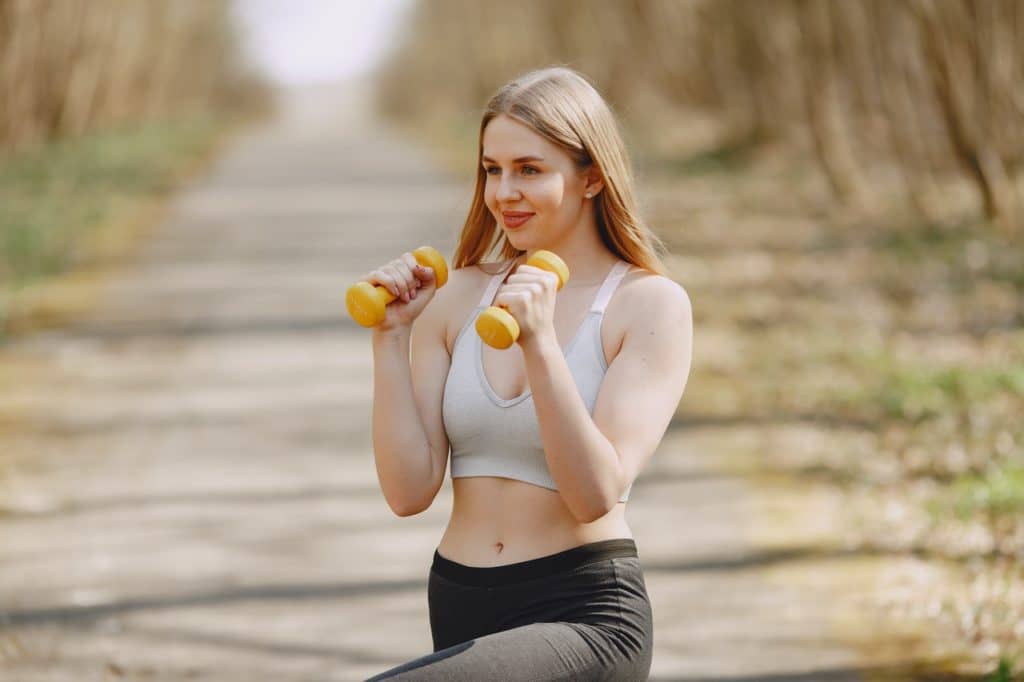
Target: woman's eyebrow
{"x":521,"y":159}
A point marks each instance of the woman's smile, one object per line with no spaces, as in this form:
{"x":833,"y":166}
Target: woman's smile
{"x":514,"y":219}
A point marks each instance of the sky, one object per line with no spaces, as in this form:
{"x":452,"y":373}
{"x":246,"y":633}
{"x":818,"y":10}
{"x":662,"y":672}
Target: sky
{"x":300,"y":42}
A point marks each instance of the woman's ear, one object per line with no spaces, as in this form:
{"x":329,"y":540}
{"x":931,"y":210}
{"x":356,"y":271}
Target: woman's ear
{"x":594,"y":184}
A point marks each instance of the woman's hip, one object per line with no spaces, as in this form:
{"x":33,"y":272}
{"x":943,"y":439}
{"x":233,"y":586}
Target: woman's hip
{"x":599,"y":586}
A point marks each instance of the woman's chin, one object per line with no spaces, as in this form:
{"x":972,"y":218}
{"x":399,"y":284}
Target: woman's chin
{"x":517,"y":239}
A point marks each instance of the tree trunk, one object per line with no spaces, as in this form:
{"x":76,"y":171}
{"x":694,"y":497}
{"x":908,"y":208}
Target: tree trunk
{"x":824,"y":107}
{"x":952,"y":68}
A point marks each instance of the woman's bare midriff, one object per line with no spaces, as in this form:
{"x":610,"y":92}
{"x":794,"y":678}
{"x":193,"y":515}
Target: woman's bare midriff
{"x":497,"y":521}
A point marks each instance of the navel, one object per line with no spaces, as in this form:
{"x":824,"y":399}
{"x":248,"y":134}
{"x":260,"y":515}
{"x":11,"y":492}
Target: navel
{"x":499,"y":546}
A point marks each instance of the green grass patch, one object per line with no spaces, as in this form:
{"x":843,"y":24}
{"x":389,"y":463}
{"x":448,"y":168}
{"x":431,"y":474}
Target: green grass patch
{"x":968,"y":250}
{"x":730,"y":157}
{"x":998,"y":491}
{"x":918,"y":241}
{"x":1003,"y":671}
{"x":53,"y":196}
{"x":1009,"y":267}
{"x":914,"y":393}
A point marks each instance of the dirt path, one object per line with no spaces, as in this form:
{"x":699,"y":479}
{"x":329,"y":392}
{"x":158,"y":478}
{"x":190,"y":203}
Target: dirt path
{"x":188,"y":484}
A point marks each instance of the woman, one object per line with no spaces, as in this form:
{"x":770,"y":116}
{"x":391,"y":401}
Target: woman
{"x":537,"y":576}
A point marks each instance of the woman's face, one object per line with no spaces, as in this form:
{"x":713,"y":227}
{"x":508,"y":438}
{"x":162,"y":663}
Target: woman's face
{"x":533,"y":189}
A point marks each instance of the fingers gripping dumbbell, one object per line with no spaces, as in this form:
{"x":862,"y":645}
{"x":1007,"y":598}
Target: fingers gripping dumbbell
{"x":496,"y":326}
{"x":366,"y":301}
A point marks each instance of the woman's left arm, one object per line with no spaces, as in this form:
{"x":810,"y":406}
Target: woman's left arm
{"x":594,"y":459}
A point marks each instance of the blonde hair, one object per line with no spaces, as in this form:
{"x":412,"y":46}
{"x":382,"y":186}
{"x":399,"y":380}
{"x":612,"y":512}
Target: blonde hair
{"x":562,"y":106}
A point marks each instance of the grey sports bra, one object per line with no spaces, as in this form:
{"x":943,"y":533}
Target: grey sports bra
{"x":495,"y":436}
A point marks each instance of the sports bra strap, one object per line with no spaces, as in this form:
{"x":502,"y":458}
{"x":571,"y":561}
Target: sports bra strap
{"x":491,"y":290}
{"x":604,"y":295}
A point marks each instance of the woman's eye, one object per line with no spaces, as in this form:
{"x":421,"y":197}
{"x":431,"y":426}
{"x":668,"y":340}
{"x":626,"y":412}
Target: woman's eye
{"x":533,"y":171}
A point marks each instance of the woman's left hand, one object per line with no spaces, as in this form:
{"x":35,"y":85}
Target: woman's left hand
{"x":529,"y":295}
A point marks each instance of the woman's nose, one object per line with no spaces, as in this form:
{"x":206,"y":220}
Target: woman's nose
{"x":507,"y":191}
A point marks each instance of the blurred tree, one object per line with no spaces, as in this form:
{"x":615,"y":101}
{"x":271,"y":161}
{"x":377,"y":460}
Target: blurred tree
{"x":928,"y":88}
{"x":70,"y":66}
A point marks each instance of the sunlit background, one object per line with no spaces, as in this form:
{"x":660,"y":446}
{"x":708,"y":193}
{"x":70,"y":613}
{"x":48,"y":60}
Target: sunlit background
{"x":839,"y":185}
{"x":317,"y":41}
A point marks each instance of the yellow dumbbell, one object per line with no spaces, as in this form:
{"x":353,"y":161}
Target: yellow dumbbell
{"x":496,"y":326}
{"x":366,"y":302}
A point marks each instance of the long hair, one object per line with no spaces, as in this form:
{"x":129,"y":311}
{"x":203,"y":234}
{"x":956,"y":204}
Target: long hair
{"x":562,"y":106}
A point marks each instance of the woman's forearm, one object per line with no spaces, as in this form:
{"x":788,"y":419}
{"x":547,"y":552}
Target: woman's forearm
{"x":400,"y":445}
{"x":582,"y":461}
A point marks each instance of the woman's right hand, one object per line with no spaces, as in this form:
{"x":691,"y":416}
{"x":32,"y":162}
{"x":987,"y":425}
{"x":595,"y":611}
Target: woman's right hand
{"x":413,"y":286}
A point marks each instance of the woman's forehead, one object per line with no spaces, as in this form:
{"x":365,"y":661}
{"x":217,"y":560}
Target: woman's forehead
{"x":506,"y":139}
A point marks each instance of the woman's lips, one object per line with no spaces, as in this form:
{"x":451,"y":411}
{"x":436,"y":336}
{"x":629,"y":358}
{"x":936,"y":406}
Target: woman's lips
{"x":514,"y":220}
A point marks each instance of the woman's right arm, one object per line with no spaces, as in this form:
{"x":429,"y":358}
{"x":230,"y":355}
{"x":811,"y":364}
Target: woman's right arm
{"x":409,"y":442}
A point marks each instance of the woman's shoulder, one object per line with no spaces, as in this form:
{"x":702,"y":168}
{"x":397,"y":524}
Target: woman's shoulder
{"x":640,"y":283}
{"x":643,"y":292}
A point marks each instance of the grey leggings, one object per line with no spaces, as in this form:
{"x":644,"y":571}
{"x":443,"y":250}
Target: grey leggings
{"x":580,"y":614}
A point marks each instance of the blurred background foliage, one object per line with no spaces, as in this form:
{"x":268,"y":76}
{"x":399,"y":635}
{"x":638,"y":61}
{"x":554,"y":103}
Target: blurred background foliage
{"x":839,"y":183}
{"x":104,"y":105}
{"x":840,"y":186}
{"x":929,"y":86}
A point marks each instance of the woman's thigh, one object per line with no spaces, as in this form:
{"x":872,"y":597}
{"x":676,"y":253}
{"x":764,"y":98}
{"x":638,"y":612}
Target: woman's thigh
{"x":529,"y":653}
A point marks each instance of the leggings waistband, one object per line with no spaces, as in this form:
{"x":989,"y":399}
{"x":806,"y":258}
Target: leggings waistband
{"x":491,"y":576}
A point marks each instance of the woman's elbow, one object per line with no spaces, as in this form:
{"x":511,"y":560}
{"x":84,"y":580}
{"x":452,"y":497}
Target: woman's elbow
{"x":412,"y":508}
{"x":592,"y":511}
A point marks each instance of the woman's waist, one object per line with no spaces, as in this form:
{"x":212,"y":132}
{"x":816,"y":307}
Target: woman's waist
{"x":501,"y":521}
{"x":556,"y":565}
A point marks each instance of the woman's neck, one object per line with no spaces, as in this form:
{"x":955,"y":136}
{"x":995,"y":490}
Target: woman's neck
{"x":584,"y":269}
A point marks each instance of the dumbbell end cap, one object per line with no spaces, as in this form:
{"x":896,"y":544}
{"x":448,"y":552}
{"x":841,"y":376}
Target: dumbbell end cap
{"x":497,"y":328}
{"x":552,"y":262}
{"x":363,"y":304}
{"x":435,"y":261}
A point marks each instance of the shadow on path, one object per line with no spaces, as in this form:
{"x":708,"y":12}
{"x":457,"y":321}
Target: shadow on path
{"x":273,"y":593}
